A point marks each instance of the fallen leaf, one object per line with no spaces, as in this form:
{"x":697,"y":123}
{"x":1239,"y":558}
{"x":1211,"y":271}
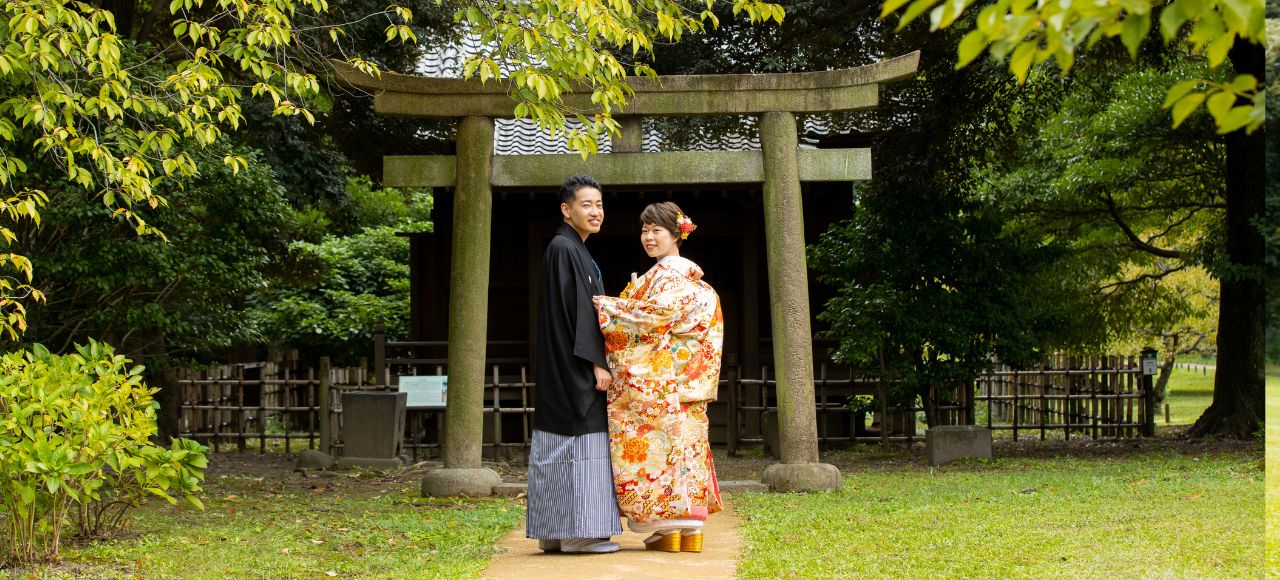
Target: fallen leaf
{"x":284,"y":550}
{"x":331,"y":573}
{"x":317,"y":542}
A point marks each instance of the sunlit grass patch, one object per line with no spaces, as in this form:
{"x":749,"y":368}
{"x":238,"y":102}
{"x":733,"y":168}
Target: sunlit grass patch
{"x":348,"y":525}
{"x":1190,"y":393}
{"x":1140,"y":516}
{"x":1273,"y":470}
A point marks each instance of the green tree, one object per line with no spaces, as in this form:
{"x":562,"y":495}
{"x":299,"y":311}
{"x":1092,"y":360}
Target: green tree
{"x":1223,"y":31}
{"x":1139,"y":204}
{"x":337,"y":288}
{"x":1178,"y":316}
{"x":179,"y":297}
{"x":1029,"y":34}
{"x":120,"y":119}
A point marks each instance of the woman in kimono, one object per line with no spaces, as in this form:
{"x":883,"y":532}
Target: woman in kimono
{"x":663,"y":340}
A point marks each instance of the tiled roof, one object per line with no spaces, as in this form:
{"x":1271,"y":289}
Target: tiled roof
{"x":522,"y":136}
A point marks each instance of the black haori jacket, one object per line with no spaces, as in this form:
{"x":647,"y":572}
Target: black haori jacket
{"x":569,"y":340}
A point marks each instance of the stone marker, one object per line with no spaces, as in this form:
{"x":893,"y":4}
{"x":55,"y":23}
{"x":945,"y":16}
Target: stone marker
{"x":372,"y":429}
{"x":947,"y":443}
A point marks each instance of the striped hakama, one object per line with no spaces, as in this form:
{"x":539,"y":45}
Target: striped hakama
{"x":571,"y":488}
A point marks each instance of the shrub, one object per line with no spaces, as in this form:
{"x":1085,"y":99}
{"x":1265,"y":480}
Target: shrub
{"x":75,"y":447}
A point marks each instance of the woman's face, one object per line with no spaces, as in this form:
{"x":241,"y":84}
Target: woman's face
{"x":658,"y":241}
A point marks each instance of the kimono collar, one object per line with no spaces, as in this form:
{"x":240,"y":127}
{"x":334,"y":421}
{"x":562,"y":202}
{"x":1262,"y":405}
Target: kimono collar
{"x":682,"y":265}
{"x":567,"y":231}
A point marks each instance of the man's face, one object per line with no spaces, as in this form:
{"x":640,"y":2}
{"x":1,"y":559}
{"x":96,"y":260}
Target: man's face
{"x":586,"y":213}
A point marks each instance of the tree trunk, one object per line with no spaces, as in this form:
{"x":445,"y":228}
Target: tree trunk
{"x":1162,"y":380}
{"x":163,"y":376}
{"x":1238,"y":407}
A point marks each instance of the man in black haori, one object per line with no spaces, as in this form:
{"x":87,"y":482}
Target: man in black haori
{"x":571,"y":502}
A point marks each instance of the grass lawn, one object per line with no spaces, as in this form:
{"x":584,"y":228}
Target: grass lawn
{"x":1190,"y":393}
{"x":1153,"y":514}
{"x":1273,"y":471}
{"x":278,"y":525}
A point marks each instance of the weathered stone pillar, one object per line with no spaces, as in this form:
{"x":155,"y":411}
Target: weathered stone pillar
{"x":631,"y":135}
{"x":468,"y":318}
{"x":789,"y":297}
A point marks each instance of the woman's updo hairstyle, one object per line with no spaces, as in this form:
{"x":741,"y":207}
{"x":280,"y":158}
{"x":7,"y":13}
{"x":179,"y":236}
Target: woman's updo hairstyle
{"x":663,"y":214}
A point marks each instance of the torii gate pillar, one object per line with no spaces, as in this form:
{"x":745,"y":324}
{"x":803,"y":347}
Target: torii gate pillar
{"x":468,"y":319}
{"x":789,"y":295}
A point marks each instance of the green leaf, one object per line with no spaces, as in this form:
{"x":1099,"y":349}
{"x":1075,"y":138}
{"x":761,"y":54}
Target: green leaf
{"x":917,"y":8}
{"x":971,"y":47}
{"x":1171,"y":19}
{"x":1178,"y":91}
{"x":1243,"y":84}
{"x":1219,"y":105}
{"x":1237,"y":118}
{"x":1136,"y":27}
{"x":1218,"y":48}
{"x":1185,"y":106}
{"x":1020,"y":62}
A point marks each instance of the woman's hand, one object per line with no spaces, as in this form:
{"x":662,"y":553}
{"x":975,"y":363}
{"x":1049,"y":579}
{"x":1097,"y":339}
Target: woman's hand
{"x":603,"y":378}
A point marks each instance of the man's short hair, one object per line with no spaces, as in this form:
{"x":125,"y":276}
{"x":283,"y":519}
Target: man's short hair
{"x":569,"y":191}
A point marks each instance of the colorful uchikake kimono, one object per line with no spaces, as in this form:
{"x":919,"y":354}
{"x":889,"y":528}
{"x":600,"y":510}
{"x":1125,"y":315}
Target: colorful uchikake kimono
{"x":664,"y":338}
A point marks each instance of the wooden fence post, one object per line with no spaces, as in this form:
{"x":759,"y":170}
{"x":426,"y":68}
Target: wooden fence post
{"x":324,"y":404}
{"x":380,"y":355}
{"x":1148,"y":392}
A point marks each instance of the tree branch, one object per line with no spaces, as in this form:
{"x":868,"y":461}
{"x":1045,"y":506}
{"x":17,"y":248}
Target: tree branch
{"x":1143,"y":277}
{"x":1134,"y":240}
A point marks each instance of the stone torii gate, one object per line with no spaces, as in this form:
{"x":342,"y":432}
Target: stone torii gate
{"x":780,"y":166}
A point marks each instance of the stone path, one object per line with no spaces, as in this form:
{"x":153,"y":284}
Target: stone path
{"x":520,"y":558}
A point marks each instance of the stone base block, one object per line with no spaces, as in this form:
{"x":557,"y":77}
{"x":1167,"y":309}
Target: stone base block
{"x":313,"y":459}
{"x":382,"y":463}
{"x":743,"y":485}
{"x":510,"y":489}
{"x":948,"y":443}
{"x":803,"y":477}
{"x":453,"y":482}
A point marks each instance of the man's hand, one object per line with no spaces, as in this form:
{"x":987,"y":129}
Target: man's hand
{"x":603,"y":378}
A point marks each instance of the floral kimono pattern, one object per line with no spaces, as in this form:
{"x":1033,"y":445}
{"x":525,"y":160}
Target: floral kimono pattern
{"x":664,"y":338}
